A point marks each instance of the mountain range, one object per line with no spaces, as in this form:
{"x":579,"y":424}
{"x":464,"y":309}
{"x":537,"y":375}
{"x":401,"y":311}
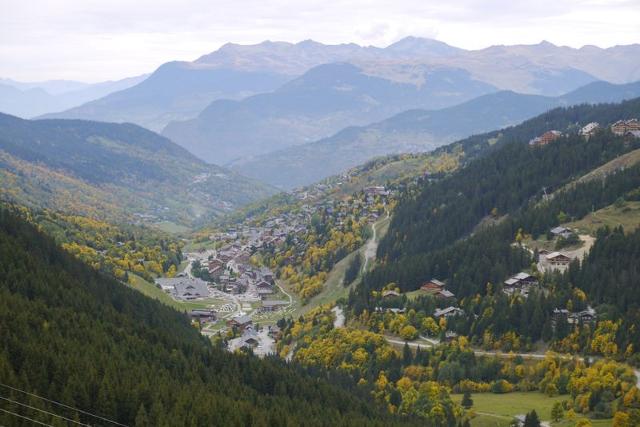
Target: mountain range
{"x":112,"y":171}
{"x":415,"y":130}
{"x":30,"y":99}
{"x":175,"y":91}
{"x":182,"y":90}
{"x":324,"y":100}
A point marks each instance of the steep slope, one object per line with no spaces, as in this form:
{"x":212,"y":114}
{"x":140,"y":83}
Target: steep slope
{"x":509,"y":175}
{"x":414,"y":131}
{"x":33,"y":99}
{"x":113,"y":171}
{"x":175,"y":91}
{"x":77,"y":337}
{"x":324,"y":100}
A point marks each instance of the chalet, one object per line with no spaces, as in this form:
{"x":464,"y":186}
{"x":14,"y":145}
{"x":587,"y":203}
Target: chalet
{"x":273,"y":305}
{"x":264,"y":293}
{"x":215,"y":262}
{"x":240,"y":322}
{"x":216,"y":272}
{"x":184,"y":288}
{"x":587,"y":315}
{"x":521,"y":282}
{"x":561,"y":232}
{"x":589,"y":129}
{"x":448,"y":312}
{"x":390,"y":294}
{"x":444,"y":294}
{"x":557,"y":259}
{"x":622,"y":127}
{"x":203,"y":315}
{"x":266,"y":274}
{"x":433,"y":286}
{"x":249,"y":340}
{"x":545,"y":138}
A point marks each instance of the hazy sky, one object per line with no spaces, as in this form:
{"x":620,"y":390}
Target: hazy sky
{"x":93,"y":40}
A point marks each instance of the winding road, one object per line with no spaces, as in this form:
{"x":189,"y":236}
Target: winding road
{"x":430,"y":343}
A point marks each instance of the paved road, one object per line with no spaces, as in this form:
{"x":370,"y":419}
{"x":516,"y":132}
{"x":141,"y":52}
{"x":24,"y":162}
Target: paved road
{"x":535,"y":356}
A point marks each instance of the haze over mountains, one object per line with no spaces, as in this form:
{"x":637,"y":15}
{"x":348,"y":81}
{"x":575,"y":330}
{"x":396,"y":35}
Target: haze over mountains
{"x":29,"y":99}
{"x":324,"y":100}
{"x":438,"y":76}
{"x":414,"y":131}
{"x":175,"y":91}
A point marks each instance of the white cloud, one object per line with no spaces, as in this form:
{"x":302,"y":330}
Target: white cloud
{"x":104,"y":39}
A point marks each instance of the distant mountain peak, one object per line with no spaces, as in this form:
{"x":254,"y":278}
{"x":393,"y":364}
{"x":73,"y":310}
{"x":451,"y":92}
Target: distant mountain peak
{"x":546,"y":43}
{"x":422,"y":45}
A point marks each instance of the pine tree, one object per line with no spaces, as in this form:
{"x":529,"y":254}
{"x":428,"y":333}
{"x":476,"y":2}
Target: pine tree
{"x":531,"y":419}
{"x":467,"y":402}
{"x":557,"y":412}
{"x":141,"y":418}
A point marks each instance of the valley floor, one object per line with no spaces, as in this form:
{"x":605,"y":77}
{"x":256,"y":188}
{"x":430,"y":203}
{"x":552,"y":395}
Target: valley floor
{"x":497,"y":410}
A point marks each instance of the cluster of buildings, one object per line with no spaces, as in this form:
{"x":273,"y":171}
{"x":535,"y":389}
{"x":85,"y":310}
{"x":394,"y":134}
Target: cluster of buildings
{"x":621,"y":127}
{"x":587,"y":315}
{"x":625,"y":127}
{"x":436,"y":288}
{"x":231,"y":269}
{"x":287,"y":226}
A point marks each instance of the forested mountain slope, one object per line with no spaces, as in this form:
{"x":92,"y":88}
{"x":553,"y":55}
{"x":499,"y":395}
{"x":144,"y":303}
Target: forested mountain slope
{"x":113,"y":171}
{"x":513,"y":172}
{"x":415,"y":131}
{"x":73,"y":335}
{"x":435,"y":233}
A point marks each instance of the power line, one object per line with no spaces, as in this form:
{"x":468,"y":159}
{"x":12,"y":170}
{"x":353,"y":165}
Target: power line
{"x":25,"y":418}
{"x":43,"y":411}
{"x":64,"y":406}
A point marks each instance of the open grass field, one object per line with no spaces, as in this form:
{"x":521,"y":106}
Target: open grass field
{"x":150,"y":290}
{"x":626,"y":160}
{"x":332,"y":291}
{"x":333,"y":288}
{"x":627,"y":215}
{"x":497,"y":410}
{"x":171,"y":227}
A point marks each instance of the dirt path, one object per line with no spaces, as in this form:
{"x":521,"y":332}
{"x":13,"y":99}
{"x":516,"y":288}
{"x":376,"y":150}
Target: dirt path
{"x":587,"y":243}
{"x":370,"y":250}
